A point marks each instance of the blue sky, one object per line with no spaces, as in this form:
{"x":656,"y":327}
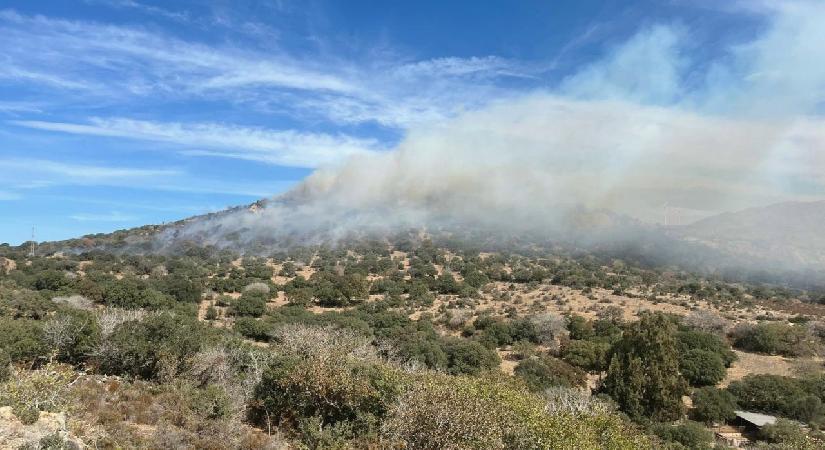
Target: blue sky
{"x":119,"y":113}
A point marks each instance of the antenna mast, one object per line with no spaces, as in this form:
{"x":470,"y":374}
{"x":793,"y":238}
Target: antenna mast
{"x":31,"y":246}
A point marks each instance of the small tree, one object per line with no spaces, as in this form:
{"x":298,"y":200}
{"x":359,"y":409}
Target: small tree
{"x":702,"y":367}
{"x":643,"y":376}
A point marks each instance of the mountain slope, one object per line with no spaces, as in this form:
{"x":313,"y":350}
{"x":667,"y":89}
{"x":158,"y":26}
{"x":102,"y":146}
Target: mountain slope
{"x":791,"y":233}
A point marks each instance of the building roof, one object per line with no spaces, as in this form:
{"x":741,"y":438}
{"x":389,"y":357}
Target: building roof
{"x":757,"y":419}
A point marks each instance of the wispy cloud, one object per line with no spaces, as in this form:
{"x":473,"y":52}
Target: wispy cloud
{"x":22,"y":175}
{"x":16,"y":107}
{"x":106,"y":63}
{"x":25,"y":175}
{"x":178,"y":16}
{"x":133,"y":60}
{"x":83,"y":173}
{"x":282,"y":147}
{"x":113,"y":216}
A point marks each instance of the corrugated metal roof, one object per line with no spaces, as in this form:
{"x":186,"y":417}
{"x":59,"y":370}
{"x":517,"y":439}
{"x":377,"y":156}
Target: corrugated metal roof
{"x":755,"y":418}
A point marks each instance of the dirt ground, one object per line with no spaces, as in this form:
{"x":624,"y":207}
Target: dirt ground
{"x":752,"y":363}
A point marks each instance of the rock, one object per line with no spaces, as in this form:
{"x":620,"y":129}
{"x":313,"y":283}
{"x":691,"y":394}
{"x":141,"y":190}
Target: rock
{"x":14,"y":434}
{"x":7,"y":265}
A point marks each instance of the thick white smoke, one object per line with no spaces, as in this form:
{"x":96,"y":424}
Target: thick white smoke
{"x":627,"y":134}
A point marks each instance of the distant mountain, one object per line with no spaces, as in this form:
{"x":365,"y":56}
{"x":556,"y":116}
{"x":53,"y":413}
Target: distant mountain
{"x":787,"y":235}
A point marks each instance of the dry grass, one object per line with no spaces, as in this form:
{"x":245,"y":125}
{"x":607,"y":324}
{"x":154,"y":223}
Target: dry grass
{"x":752,"y":364}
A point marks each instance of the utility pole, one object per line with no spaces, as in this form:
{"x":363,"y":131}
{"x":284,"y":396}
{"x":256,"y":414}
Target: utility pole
{"x":31,"y":246}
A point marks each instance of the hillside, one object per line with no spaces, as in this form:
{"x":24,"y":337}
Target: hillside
{"x":361,"y":344}
{"x":787,"y":235}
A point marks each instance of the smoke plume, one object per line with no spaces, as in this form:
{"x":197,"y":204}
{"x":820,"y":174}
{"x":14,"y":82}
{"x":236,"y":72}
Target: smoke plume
{"x":644,"y":132}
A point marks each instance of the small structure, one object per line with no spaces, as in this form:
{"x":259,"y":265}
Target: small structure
{"x":743,"y":429}
{"x":753,"y":421}
{"x":731,"y":437}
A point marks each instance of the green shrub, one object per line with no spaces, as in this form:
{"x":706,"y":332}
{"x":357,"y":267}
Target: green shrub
{"x":181,"y":288}
{"x":333,"y":290}
{"x":420,"y":346}
{"x":53,"y":441}
{"x":212,"y":402}
{"x":24,"y":304}
{"x":543,"y":372}
{"x":498,"y":333}
{"x":250,"y":304}
{"x":580,"y":328}
{"x":26,"y":414}
{"x":50,"y":280}
{"x":72,"y":335}
{"x":712,"y":405}
{"x":158,"y":346}
{"x":692,"y":435}
{"x":783,"y":431}
{"x":589,"y":355}
{"x":29,"y":392}
{"x":253,"y":329}
{"x":131,"y":293}
{"x":440,"y":411}
{"x":468,"y":357}
{"x":334,"y":388}
{"x":701,"y":367}
{"x":776,"y":339}
{"x":698,"y":340}
{"x":5,"y":365}
{"x":775,"y":394}
{"x":22,"y":339}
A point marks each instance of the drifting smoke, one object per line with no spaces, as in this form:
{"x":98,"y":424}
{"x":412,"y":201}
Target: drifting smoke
{"x":626,"y":134}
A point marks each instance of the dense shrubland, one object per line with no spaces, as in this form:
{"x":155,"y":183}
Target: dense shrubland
{"x":376,"y":345}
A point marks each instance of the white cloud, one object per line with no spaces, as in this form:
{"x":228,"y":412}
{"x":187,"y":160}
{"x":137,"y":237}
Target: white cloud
{"x":285,"y":148}
{"x":148,"y":9}
{"x":15,"y":107}
{"x":103,"y":57}
{"x":106,"y":63}
{"x":487,"y":66}
{"x":22,"y":174}
{"x":113,"y":216}
{"x":81,"y":172}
